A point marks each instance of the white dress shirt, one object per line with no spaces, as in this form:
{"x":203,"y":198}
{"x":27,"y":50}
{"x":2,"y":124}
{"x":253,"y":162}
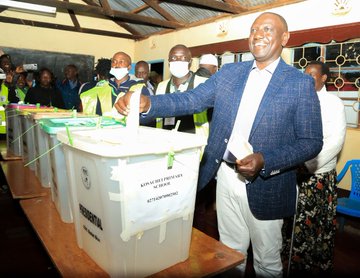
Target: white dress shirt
{"x":334,"y":130}
{"x":253,"y":93}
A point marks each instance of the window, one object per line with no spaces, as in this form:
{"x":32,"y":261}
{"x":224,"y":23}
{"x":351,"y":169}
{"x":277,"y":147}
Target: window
{"x":344,"y":62}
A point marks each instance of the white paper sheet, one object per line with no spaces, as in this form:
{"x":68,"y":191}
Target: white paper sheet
{"x":239,"y":147}
{"x":132,"y":120}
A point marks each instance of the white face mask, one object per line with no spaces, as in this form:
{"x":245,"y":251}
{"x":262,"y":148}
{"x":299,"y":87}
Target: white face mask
{"x":119,"y":73}
{"x":179,"y":68}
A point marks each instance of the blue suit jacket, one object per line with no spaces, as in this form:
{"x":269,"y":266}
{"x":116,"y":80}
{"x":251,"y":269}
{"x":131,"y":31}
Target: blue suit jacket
{"x":287,"y":130}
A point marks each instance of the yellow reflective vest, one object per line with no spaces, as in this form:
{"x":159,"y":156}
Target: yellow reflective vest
{"x":101,"y":92}
{"x":200,"y":119}
{"x":21,"y":93}
{"x":4,"y":94}
{"x":4,"y":100}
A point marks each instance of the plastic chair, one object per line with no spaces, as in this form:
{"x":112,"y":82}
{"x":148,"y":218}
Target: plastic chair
{"x":350,"y":205}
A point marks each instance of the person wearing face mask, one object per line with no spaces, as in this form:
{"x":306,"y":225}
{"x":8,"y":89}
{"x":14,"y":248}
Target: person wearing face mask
{"x":182,"y":79}
{"x":120,"y":67}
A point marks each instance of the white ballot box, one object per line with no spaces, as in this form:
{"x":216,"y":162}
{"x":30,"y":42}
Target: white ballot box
{"x":13,"y":127}
{"x":133,"y":196}
{"x":60,"y":191}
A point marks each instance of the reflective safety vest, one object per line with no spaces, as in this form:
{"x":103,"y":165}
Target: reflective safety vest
{"x":101,"y":92}
{"x":4,"y":93}
{"x":200,"y":119}
{"x":21,"y":93}
{"x":4,"y":100}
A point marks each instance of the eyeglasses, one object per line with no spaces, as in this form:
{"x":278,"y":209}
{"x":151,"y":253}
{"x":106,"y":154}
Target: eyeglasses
{"x":178,"y":58}
{"x":115,"y":62}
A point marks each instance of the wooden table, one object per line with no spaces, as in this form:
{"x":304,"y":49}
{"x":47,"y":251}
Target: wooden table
{"x":59,"y":239}
{"x":22,"y":181}
{"x":207,"y":256}
{"x":8,"y":155}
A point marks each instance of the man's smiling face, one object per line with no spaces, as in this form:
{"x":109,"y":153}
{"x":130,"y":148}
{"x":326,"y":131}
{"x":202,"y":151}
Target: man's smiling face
{"x":268,"y":35}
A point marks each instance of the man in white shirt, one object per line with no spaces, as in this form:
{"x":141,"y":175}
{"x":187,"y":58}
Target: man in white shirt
{"x":315,"y":225}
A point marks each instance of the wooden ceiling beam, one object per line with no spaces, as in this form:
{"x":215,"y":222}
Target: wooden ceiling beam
{"x":118,"y":22}
{"x":213,"y":5}
{"x":235,"y":3}
{"x":128,"y":28}
{"x":155,"y":5}
{"x":89,"y":9}
{"x":73,"y":18}
{"x":232,"y":2}
{"x":139,"y":9}
{"x":106,"y":6}
{"x":62,"y":27}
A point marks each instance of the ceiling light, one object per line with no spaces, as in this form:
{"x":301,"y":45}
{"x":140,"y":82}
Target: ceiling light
{"x":29,"y":7}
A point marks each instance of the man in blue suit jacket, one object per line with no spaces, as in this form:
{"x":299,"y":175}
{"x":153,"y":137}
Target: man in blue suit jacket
{"x":275,"y":108}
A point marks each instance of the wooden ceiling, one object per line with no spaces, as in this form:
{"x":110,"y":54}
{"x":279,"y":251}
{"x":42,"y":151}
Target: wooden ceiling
{"x":143,"y":18}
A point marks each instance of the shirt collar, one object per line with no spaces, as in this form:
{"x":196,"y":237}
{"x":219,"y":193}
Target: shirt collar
{"x":270,"y":68}
{"x":72,"y":84}
{"x":322,"y":90}
{"x":112,"y":80}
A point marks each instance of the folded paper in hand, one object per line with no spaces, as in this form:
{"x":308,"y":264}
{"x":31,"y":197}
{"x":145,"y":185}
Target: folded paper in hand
{"x":239,"y":147}
{"x":132,"y":121}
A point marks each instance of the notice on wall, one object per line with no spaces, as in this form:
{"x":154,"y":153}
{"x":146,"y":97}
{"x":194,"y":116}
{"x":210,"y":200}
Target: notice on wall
{"x":154,"y":194}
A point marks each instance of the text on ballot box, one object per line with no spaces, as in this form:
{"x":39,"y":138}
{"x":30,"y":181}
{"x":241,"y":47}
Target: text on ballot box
{"x":133,"y":199}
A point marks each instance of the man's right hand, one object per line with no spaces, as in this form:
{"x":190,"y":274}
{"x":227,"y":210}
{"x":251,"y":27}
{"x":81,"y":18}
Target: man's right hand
{"x":123,"y":104}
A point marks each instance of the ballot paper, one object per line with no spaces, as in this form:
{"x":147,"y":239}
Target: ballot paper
{"x":133,"y":120}
{"x":238,"y":147}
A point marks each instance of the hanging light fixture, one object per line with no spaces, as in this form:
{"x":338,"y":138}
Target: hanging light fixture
{"x":28,"y":7}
